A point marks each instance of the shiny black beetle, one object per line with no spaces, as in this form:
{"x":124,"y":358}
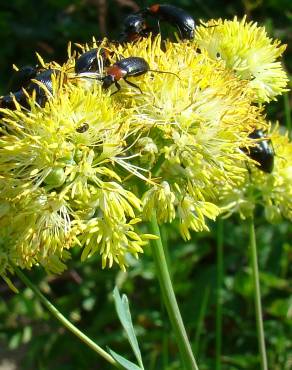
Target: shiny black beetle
{"x":262,"y":151}
{"x":134,"y":27}
{"x":127,"y":67}
{"x":45,"y":77}
{"x":7,"y":101}
{"x":177,"y":17}
{"x":21,"y":78}
{"x":83,"y":128}
{"x":88,"y":61}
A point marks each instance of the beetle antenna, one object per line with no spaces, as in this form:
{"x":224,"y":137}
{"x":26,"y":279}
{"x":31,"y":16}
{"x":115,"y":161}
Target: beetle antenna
{"x":158,"y":22}
{"x":171,"y":73}
{"x":89,"y":76}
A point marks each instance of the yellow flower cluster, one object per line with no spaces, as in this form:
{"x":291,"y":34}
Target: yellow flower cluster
{"x":249,"y":52}
{"x":87,"y":168}
{"x":273,"y":191}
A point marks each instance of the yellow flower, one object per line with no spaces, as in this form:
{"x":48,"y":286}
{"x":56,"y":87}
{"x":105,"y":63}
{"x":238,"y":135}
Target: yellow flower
{"x":198,"y":119}
{"x":113,"y":239}
{"x":54,"y":175}
{"x":86,"y":168}
{"x":162,"y":199}
{"x":277,"y":191}
{"x":273,"y":191}
{"x":192,"y":215}
{"x":249,"y":52}
{"x":36,"y":227}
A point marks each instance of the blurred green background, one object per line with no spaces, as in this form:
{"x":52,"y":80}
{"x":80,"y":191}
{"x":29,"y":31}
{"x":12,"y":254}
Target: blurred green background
{"x":31,"y":339}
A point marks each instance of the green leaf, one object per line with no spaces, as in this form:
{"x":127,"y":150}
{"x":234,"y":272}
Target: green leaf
{"x":123,"y":361}
{"x":273,"y":281}
{"x":281,"y":308}
{"x":10,"y":284}
{"x":123,"y":311}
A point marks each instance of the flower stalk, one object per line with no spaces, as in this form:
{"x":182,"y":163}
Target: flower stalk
{"x":62,"y":319}
{"x":169,"y":298}
{"x":219,"y":279}
{"x":257,"y":295}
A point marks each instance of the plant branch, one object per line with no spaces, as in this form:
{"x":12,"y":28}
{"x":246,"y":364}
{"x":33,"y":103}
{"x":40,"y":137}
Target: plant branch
{"x":169,"y":298}
{"x":57,"y":314}
{"x":257,"y":295}
{"x":219,"y":293}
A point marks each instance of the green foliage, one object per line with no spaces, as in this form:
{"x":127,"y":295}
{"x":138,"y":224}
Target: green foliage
{"x":123,"y":311}
{"x":126,"y":364}
{"x":24,"y":322}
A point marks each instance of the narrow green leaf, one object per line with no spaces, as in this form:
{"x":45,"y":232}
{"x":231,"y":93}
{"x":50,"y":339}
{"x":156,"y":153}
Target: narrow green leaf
{"x":126,"y":364}
{"x":123,"y":311}
{"x":10,"y":284}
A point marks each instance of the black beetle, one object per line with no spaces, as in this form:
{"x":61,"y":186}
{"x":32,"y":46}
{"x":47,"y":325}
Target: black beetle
{"x":177,"y":17}
{"x":44,"y":77}
{"x":83,"y":128}
{"x":88,"y":61}
{"x":133,"y":66}
{"x":134,"y":27}
{"x":262,"y":151}
{"x":127,"y":67}
{"x":7,"y":101}
{"x":21,"y":78}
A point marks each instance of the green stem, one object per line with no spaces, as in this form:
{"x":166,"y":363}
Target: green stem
{"x":257,"y":295}
{"x":63,"y":319}
{"x":219,"y":293}
{"x":169,"y":298}
{"x":202,"y":315}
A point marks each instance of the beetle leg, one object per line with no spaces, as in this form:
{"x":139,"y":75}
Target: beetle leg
{"x":118,"y":86}
{"x":180,"y":32}
{"x":158,"y":23}
{"x":133,"y":85}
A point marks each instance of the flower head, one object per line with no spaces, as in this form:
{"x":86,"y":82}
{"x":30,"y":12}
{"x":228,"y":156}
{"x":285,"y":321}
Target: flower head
{"x":272,"y":191}
{"x":249,"y":52}
{"x":88,"y":166}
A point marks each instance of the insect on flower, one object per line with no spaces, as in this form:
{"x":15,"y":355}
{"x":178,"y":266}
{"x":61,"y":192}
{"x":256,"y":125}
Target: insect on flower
{"x":134,"y":27}
{"x":83,"y":128}
{"x":262,"y":152}
{"x":177,"y":17}
{"x":22,"y":78}
{"x":127,"y":67}
{"x":133,"y":66}
{"x":7,"y":101}
{"x":44,"y":78}
{"x":90,"y":62}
